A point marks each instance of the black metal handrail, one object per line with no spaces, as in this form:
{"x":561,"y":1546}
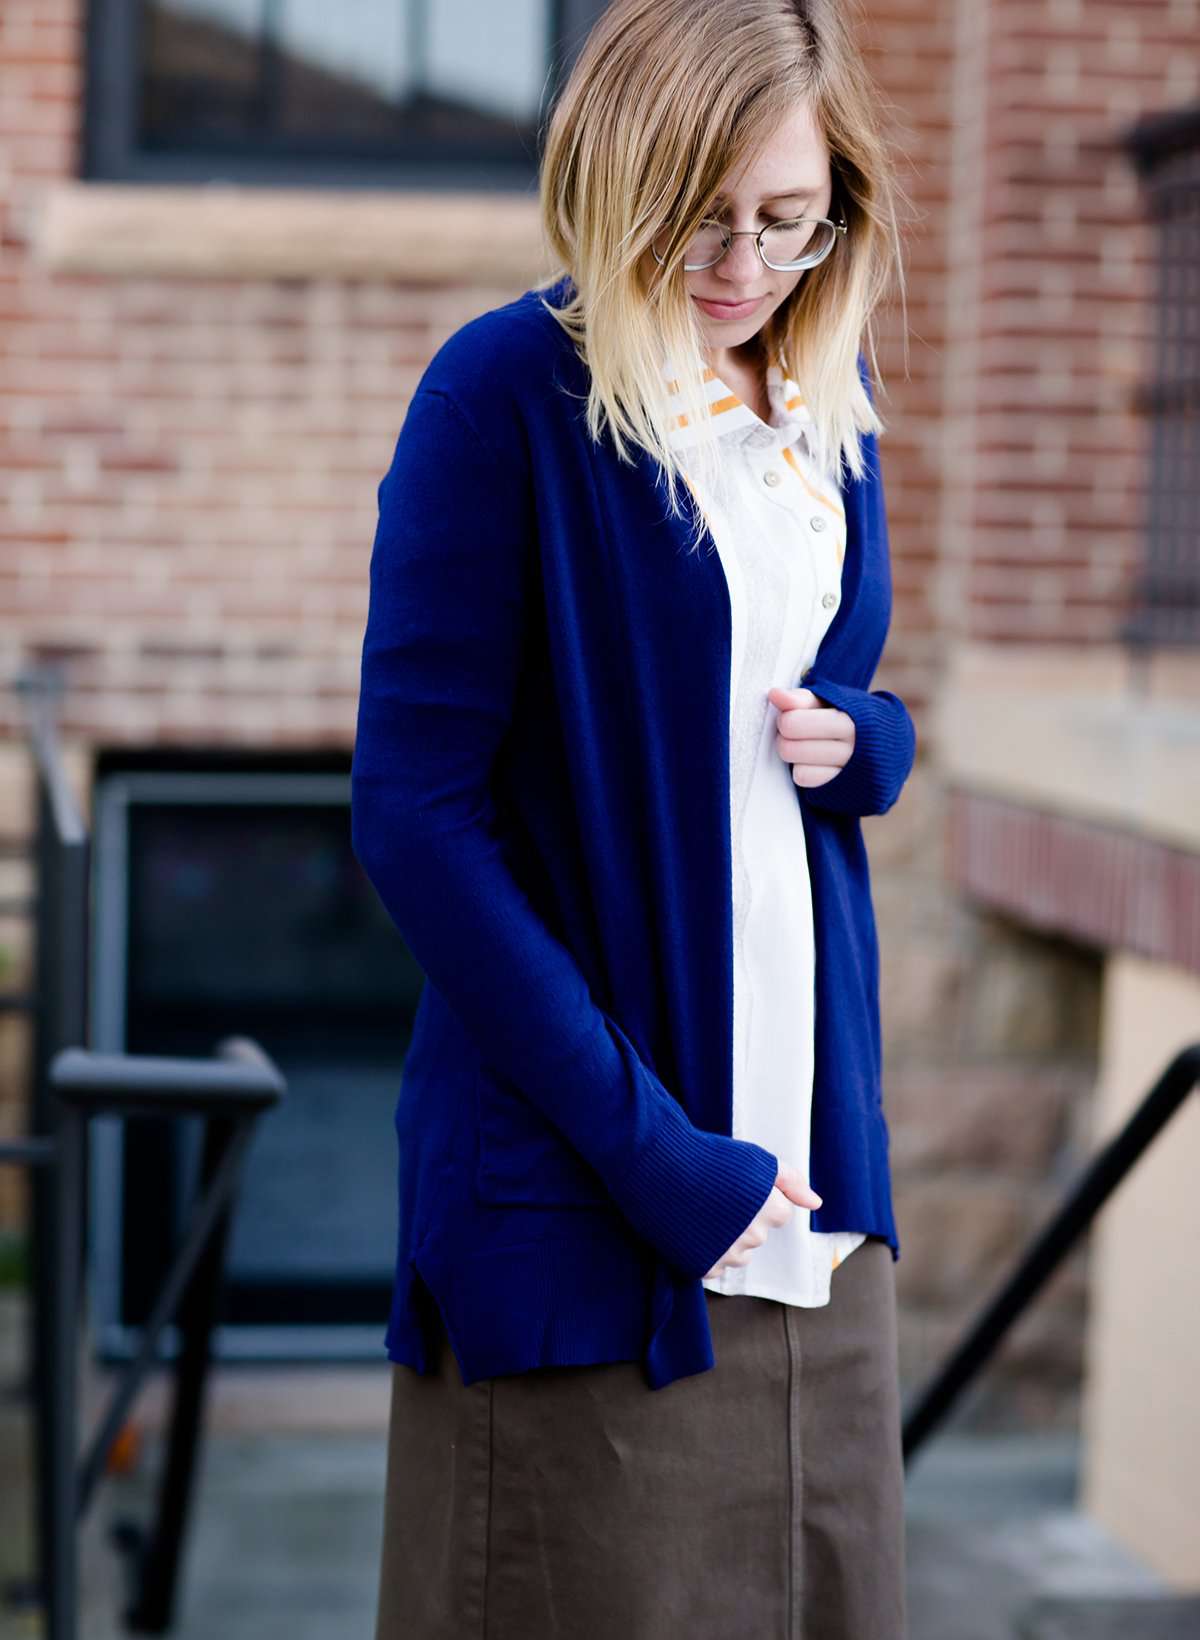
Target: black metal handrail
{"x":1051,"y":1246}
{"x":231,"y":1091}
{"x":241,"y":1081}
{"x":71,"y":1085}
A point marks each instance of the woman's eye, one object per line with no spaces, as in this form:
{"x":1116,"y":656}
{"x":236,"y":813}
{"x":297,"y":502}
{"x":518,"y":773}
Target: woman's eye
{"x":768,"y":221}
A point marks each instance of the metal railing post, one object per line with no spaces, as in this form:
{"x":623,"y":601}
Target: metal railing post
{"x":152,"y":1612}
{"x":59,"y":1397}
{"x":57,"y":1189}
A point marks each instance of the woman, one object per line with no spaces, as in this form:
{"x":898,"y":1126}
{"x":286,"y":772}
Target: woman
{"x":643,"y":1325}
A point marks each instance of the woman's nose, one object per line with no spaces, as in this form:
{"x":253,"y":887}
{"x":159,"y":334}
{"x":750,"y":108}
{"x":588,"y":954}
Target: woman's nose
{"x":741,"y":263}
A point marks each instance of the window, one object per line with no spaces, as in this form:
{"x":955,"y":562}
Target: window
{"x":228,"y":901}
{"x":430,"y":93}
{"x":1166,"y":149}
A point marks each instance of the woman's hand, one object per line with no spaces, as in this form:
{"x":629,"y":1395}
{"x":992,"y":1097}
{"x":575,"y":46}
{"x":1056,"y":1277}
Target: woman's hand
{"x":789,"y":1187}
{"x":816,"y":740}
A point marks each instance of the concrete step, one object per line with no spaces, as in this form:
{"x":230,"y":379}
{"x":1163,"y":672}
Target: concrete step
{"x":1150,"y":1617}
{"x":993,"y":1524}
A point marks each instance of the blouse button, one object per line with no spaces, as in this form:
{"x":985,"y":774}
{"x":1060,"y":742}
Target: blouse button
{"x":771,"y":476}
{"x":829,"y":599}
{"x":817,"y":523}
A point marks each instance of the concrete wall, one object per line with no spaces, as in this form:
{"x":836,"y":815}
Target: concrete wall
{"x":1141,"y":1416}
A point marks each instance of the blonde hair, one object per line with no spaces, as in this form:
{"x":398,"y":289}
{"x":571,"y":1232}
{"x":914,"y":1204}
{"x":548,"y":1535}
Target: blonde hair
{"x":666,"y":99}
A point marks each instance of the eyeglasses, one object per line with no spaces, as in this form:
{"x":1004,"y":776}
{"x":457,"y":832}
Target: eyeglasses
{"x":801,"y":242}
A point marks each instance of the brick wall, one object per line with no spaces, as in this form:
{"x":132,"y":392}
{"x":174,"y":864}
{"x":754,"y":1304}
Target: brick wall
{"x":1063,"y":278}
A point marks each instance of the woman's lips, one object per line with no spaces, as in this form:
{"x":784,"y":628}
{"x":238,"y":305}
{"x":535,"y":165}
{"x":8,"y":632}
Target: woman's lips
{"x":728,"y":310}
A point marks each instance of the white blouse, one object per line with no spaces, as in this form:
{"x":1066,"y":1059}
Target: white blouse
{"x":780,"y":530}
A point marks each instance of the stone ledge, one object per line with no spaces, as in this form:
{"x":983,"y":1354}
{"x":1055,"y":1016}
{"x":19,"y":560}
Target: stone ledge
{"x":1077,"y":733}
{"x":221,"y":230}
{"x":1096,"y":883}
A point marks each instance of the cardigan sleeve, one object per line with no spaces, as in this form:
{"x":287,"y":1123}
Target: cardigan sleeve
{"x":885,"y":747}
{"x":449,"y":601}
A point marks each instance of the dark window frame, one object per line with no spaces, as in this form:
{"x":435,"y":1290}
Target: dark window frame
{"x":110,"y":150}
{"x":1165,"y":610}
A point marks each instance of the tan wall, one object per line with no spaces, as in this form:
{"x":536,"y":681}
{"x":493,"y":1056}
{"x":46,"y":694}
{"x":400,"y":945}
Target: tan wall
{"x":1141,"y":1419}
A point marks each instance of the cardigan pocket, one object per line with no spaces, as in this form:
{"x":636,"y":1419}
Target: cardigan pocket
{"x":523,"y":1159}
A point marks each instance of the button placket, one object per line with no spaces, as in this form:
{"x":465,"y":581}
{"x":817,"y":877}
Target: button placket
{"x":830,"y":559}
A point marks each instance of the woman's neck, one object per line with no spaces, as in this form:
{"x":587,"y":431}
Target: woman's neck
{"x":742,"y":369}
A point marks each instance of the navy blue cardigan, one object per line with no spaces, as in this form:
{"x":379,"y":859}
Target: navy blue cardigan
{"x":540,"y":797}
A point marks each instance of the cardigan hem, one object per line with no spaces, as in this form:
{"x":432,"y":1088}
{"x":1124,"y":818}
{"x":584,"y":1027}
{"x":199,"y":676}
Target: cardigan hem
{"x":550,"y":1302}
{"x":553,"y":1302}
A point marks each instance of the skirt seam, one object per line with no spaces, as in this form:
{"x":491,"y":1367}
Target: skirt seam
{"x":794,"y":1628}
{"x":487,"y":1531}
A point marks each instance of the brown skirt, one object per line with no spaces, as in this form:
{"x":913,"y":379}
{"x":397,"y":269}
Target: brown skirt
{"x":763,"y":1497}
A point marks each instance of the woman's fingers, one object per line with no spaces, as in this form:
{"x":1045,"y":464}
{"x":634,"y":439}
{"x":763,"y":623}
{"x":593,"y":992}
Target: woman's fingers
{"x":816,"y":740}
{"x":811,"y":774}
{"x":775,"y":1211}
{"x":796,"y":1187}
{"x":800,"y":749}
{"x":828,"y":721}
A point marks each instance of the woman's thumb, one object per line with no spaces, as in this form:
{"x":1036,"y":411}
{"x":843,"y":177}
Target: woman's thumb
{"x":796,"y":1188}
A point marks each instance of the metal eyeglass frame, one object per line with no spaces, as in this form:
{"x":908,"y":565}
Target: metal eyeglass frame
{"x":729,"y":235}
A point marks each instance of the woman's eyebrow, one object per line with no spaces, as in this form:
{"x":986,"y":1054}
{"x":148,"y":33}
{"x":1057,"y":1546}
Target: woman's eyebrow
{"x":783,"y":193}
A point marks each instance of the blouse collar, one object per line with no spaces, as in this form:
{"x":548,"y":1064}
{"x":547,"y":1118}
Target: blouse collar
{"x":790,"y":420}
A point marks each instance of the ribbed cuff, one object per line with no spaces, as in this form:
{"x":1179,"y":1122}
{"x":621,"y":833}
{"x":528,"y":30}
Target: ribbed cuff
{"x":884,"y":749}
{"x":692,"y":1192}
